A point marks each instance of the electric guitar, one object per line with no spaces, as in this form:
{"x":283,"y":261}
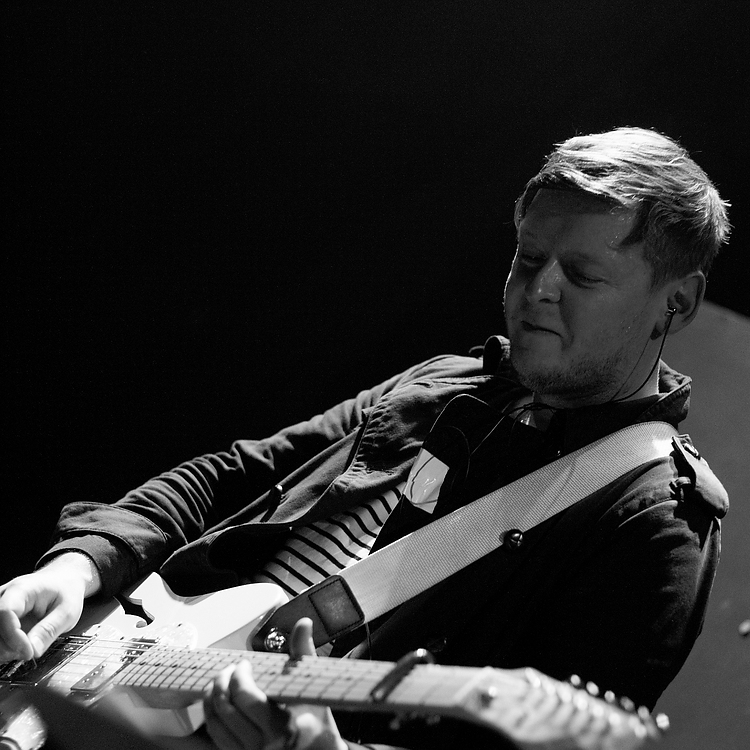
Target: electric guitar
{"x":151,"y":669}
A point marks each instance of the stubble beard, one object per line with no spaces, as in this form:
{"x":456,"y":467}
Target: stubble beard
{"x":585,"y":381}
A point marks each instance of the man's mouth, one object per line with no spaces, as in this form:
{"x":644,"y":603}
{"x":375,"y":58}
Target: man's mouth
{"x":536,"y":328}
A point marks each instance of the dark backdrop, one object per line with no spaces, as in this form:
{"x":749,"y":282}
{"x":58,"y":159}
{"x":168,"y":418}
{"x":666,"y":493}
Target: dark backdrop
{"x":223,"y":216}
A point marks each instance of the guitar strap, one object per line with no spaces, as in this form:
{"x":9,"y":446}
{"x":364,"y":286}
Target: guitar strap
{"x":396,"y":573}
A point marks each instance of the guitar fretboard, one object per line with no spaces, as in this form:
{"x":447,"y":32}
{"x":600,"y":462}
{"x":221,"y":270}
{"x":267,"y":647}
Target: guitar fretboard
{"x":340,"y":683}
{"x":529,"y":707}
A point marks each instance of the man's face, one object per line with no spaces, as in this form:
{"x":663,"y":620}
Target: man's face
{"x":579,"y":308}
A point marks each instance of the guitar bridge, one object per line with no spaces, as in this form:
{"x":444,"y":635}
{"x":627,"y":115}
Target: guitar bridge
{"x":35,"y":671}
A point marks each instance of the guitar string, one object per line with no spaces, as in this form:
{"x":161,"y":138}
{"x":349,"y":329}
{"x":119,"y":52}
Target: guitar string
{"x":213,"y":659}
{"x":526,"y":690}
{"x":209,"y":660}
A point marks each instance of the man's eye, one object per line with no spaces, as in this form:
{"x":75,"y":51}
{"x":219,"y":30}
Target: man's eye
{"x":580,"y":278}
{"x":531,"y":261}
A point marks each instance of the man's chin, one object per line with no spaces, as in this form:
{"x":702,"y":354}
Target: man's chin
{"x":533,"y":372}
{"x":564,"y":388}
{"x":545,"y":378}
{"x":543,"y":383}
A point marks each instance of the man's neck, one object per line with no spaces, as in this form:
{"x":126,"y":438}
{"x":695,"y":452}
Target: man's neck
{"x":649,"y":387}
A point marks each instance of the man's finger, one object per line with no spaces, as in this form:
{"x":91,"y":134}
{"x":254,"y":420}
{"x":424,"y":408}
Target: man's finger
{"x":216,"y":725}
{"x":47,"y":630}
{"x":270,"y":719}
{"x":220,"y":713}
{"x":302,"y":639}
{"x":14,"y":643}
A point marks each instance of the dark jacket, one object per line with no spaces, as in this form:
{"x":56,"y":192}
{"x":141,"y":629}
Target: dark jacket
{"x":614,"y":588}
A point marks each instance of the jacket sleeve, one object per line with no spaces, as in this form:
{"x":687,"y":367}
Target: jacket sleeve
{"x":133,"y":536}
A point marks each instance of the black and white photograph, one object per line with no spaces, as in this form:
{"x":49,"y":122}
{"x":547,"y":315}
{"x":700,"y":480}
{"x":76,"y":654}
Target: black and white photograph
{"x":378,"y":376}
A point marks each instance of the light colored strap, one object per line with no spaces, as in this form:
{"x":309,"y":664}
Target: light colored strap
{"x":412,"y":564}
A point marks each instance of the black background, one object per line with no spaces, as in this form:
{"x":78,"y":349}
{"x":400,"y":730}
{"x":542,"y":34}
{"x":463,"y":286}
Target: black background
{"x":224,"y":216}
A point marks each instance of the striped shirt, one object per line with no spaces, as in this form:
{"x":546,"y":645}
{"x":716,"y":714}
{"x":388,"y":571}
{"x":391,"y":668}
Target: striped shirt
{"x":314,"y":552}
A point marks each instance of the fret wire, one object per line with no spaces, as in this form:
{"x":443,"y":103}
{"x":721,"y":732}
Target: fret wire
{"x":150,"y":666}
{"x":338,"y":681}
{"x":320,"y":679}
{"x":306,"y":677}
{"x":189,"y":670}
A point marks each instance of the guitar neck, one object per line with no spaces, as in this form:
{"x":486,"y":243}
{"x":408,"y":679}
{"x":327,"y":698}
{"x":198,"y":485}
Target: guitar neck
{"x":347,"y":684}
{"x":531,"y":708}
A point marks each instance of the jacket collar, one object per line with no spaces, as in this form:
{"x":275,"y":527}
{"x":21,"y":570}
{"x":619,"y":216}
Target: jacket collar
{"x":573,"y":428}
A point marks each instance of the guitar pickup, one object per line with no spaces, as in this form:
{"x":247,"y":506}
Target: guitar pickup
{"x":97,"y":679}
{"x":36,"y":671}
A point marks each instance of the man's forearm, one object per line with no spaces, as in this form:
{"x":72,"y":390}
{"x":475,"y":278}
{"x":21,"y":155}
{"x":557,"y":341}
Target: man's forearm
{"x":77,"y":563}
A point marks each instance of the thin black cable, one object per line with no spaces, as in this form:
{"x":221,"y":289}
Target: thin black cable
{"x":513,"y":413}
{"x":671,"y":314}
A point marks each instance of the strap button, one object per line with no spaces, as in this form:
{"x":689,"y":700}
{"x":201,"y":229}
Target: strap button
{"x":513,"y":539}
{"x":275,"y":640}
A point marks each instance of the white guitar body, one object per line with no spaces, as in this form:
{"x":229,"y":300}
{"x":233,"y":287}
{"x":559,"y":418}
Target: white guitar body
{"x":153,"y":674}
{"x":223,"y":619}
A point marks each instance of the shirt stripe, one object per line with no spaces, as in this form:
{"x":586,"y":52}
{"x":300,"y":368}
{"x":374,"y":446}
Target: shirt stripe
{"x":314,"y":552}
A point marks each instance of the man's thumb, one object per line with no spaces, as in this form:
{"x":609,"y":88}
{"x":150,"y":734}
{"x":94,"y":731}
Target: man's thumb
{"x":46,"y":630}
{"x":302,"y":640}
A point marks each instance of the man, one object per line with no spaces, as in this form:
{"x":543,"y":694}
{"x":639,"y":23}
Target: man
{"x":615,"y":236}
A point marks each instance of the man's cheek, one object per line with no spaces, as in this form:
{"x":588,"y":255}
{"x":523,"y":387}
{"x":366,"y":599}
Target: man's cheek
{"x":511,"y":296}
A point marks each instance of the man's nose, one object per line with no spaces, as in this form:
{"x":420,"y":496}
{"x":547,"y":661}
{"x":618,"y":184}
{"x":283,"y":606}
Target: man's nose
{"x":546,"y":284}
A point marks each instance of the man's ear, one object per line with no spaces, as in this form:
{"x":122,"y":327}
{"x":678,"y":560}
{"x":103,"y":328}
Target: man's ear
{"x":683,"y":298}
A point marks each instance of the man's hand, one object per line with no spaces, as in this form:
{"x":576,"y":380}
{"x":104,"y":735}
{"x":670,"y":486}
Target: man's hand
{"x":239,"y":716}
{"x":39,"y":607}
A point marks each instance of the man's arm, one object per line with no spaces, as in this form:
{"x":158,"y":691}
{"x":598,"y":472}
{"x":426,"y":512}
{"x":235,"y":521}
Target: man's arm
{"x":104,"y":548}
{"x":38,"y":607}
{"x":134,"y":536}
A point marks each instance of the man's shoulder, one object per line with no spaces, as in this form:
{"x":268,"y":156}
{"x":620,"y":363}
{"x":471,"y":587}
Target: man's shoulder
{"x":700,"y":484}
{"x":445,"y":366}
{"x":681,"y":478}
{"x":480,"y":361}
